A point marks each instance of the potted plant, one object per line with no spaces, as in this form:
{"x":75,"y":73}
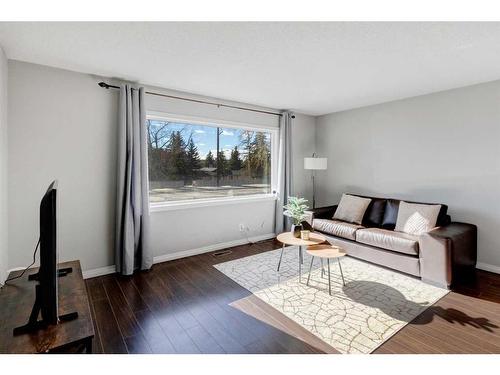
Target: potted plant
{"x":296,"y":209}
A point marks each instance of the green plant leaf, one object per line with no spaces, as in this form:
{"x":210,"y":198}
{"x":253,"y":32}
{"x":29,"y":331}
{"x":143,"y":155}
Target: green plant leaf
{"x":295,"y":208}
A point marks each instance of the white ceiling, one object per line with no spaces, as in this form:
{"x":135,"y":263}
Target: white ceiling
{"x":313,"y":68}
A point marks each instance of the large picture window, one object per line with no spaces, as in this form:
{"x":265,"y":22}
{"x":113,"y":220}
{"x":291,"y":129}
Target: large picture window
{"x":189,"y":161}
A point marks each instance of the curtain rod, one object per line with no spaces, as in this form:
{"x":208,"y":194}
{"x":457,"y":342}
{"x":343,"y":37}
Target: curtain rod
{"x":108,"y":86}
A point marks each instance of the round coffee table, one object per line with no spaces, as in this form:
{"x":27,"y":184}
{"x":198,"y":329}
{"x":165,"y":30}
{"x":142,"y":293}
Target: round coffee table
{"x":327,"y":252}
{"x":287,"y":238}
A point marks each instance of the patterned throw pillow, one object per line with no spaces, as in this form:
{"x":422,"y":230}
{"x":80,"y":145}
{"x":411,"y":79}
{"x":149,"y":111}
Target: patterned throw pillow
{"x":351,"y":208}
{"x":416,"y":218}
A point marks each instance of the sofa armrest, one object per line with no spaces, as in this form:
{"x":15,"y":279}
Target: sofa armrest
{"x":446,"y":251}
{"x":320,"y":213}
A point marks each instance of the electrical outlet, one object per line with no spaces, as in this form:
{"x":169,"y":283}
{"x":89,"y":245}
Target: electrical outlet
{"x":242,"y":227}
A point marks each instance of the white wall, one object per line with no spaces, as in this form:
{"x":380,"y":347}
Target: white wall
{"x":201,"y":227}
{"x":442,"y":147}
{"x":63,"y":125}
{"x":303,"y":145}
{"x":3,"y":167}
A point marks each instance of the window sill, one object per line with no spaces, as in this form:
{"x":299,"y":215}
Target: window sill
{"x":185,"y":205}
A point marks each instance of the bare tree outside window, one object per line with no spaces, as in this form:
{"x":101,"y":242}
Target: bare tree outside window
{"x":192,"y":161}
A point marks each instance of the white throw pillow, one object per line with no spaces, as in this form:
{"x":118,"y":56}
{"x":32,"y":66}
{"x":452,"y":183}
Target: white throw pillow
{"x":416,"y":218}
{"x":351,"y":208}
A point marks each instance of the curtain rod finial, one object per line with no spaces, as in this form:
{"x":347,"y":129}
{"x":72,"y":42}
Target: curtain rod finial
{"x":103,"y":84}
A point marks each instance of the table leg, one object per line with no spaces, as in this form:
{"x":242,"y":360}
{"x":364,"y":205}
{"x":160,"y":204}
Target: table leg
{"x":341,"y":273}
{"x":329,"y":281}
{"x":310,"y":268}
{"x":322,"y":268}
{"x":281,"y":256}
{"x":300,"y":263}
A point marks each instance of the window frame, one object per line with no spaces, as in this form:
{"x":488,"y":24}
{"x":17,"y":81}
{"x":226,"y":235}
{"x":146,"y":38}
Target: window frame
{"x":206,"y":202}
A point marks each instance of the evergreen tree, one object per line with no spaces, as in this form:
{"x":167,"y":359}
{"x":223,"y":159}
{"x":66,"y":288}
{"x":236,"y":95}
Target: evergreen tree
{"x":192,"y":159}
{"x":222,"y":164}
{"x":176,"y":156}
{"x":209,"y":160}
{"x":235,"y":162}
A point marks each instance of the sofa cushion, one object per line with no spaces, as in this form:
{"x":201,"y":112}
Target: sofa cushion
{"x":374,"y":213}
{"x":443,"y":218}
{"x":417,"y":218}
{"x":392,"y":208}
{"x":390,"y":214}
{"x":387,"y":239}
{"x":351,"y":208}
{"x":337,"y":228}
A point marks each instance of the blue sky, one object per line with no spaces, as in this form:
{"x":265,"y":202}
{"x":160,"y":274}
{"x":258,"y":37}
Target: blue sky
{"x":205,"y":137}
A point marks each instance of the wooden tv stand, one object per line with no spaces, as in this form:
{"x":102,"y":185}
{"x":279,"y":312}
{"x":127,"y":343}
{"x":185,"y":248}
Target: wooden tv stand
{"x":16,"y":301}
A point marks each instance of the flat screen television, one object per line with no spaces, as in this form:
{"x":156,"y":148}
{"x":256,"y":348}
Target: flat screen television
{"x":46,"y":299}
{"x":47,"y":275}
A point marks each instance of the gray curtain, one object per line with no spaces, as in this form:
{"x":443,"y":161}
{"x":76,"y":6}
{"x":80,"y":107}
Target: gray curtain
{"x":132,"y":249}
{"x":282,"y":222}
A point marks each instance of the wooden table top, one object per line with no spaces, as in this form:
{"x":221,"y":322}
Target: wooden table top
{"x":16,"y":301}
{"x":325,"y":251}
{"x":288,"y":239}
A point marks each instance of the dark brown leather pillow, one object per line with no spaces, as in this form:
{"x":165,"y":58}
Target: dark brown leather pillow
{"x":374,"y":214}
{"x":390,"y":214}
{"x":443,"y":218}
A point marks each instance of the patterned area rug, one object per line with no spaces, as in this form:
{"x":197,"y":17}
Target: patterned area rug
{"x":374,"y":304}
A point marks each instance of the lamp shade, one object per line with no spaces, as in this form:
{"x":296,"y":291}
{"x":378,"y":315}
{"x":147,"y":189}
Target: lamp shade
{"x":315,"y":163}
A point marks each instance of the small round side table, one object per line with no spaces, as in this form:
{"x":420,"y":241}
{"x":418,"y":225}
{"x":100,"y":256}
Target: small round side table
{"x":327,"y":252}
{"x":287,"y":238}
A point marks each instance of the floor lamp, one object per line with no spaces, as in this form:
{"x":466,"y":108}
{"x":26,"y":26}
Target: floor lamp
{"x":315,"y":164}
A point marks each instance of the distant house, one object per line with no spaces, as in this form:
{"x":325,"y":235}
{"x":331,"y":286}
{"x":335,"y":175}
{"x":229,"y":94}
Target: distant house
{"x":209,"y":171}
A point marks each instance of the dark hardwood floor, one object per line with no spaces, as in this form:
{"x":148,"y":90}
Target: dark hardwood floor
{"x":187,"y":306}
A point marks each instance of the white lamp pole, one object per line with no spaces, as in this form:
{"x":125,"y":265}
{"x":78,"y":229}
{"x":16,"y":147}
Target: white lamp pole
{"x":315,"y":164}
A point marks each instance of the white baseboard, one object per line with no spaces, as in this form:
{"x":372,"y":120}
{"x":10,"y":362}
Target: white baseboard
{"x":488,"y":267}
{"x":3,"y":278}
{"x":16,"y":269}
{"x":98,"y":272}
{"x":183,"y":254}
{"x":209,"y":248}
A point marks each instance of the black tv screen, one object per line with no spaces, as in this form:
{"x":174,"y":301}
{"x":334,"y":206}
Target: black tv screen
{"x":46,"y":302}
{"x":47,"y":275}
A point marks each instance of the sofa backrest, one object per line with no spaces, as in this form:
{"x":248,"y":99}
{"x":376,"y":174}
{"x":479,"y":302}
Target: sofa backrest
{"x":383,"y":212}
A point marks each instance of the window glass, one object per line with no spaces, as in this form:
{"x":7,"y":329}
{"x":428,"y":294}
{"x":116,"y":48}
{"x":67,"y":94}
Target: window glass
{"x":193,"y":161}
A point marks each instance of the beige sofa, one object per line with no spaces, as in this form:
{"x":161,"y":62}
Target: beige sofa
{"x":441,"y":257}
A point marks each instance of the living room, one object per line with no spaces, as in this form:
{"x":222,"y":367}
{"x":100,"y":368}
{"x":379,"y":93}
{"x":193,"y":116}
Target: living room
{"x":250,"y":188}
